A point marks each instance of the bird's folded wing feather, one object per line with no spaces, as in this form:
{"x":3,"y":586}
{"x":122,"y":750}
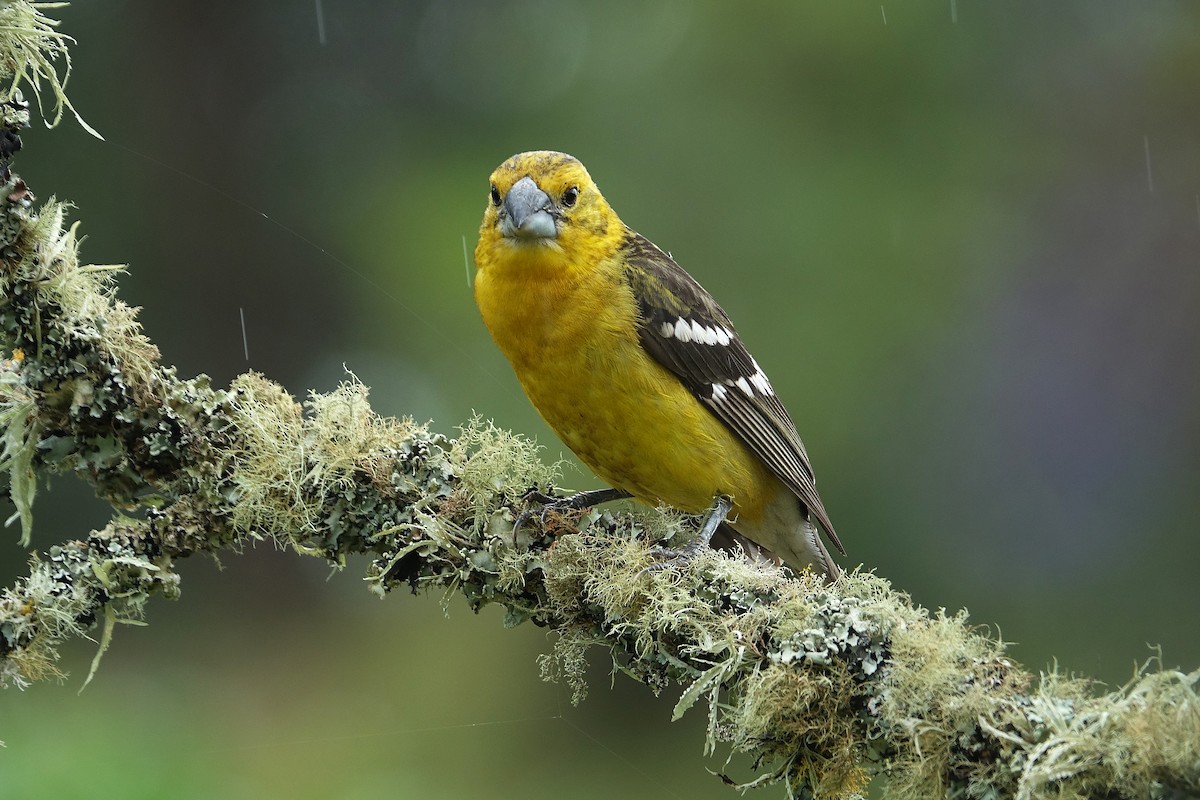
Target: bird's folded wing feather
{"x":682,"y":327}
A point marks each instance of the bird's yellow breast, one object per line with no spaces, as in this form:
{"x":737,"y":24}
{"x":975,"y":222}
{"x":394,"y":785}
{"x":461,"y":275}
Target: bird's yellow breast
{"x":571,"y":335}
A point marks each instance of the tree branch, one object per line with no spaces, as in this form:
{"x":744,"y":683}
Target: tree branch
{"x":824,"y":685}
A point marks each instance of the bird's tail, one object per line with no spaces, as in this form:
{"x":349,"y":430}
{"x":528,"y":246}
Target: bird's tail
{"x":729,"y":540}
{"x":816,"y":543}
{"x":726,"y":538}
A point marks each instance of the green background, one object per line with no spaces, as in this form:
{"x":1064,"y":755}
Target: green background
{"x":962,"y":238}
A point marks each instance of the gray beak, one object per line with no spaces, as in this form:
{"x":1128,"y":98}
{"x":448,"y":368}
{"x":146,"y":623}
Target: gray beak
{"x":526,"y":212}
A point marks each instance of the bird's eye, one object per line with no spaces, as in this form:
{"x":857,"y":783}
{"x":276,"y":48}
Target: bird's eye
{"x":570,"y":196}
{"x":495,"y":195}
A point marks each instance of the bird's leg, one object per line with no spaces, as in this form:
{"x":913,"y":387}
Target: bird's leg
{"x":572,"y":502}
{"x":700,"y":541}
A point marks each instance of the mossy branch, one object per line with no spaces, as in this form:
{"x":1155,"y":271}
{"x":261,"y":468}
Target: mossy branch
{"x":826,"y":686}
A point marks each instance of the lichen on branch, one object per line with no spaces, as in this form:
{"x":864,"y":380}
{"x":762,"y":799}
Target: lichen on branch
{"x":31,"y":47}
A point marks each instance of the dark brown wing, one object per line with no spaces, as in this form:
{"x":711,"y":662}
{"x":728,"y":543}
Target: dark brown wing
{"x":684,"y":329}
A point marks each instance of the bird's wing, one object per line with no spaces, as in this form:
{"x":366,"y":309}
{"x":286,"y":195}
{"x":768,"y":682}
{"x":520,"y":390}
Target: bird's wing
{"x":681,"y":326}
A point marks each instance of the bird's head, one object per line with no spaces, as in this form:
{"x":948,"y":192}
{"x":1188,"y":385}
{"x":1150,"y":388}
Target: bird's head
{"x":544,"y":206}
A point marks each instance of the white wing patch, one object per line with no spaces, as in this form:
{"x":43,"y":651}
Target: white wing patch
{"x":759,"y":379}
{"x":689,"y":331}
{"x":683,"y":331}
{"x":749,"y":386}
{"x":695,"y":331}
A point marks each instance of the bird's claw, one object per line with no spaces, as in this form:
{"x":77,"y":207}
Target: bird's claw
{"x":572,"y":502}
{"x":534,"y":495}
{"x":667,"y":557}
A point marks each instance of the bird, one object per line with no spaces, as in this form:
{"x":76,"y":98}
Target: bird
{"x":636,"y":367}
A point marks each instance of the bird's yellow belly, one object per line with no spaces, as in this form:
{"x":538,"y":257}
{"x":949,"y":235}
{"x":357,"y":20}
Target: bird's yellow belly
{"x":656,"y":442}
{"x":622,"y":413}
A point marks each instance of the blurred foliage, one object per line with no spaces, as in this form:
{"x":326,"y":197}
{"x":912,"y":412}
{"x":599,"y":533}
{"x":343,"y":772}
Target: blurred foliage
{"x":961,"y":238}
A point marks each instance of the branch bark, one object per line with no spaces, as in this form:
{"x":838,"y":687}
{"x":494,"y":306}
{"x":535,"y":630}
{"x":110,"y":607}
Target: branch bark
{"x":827,"y":686}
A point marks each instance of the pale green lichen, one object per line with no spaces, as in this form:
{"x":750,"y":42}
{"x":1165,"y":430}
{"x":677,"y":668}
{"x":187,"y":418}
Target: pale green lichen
{"x":73,"y":304}
{"x":19,"y":421}
{"x":834,"y":684}
{"x":29,"y":47}
{"x":734,"y":633}
{"x":496,"y":465}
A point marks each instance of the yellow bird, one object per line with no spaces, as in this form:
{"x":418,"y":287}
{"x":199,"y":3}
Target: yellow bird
{"x":636,"y":367}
